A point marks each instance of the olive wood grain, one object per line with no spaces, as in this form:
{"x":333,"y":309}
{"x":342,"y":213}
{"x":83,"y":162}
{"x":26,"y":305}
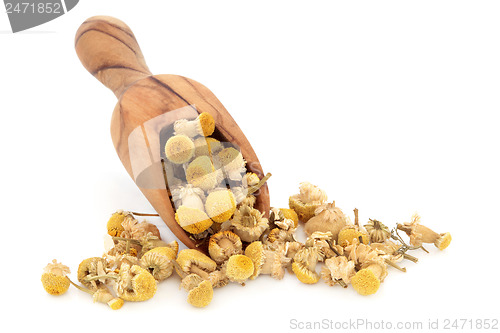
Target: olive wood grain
{"x":108,"y":49}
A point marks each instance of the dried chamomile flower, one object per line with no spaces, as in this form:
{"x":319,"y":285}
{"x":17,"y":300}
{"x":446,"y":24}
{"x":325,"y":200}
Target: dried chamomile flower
{"x":250,"y":179}
{"x":367,"y":280}
{"x":92,"y":272}
{"x":421,"y":234}
{"x":130,"y":241}
{"x":223,"y":245}
{"x":200,"y":292}
{"x":278,"y":215}
{"x":134,"y":229}
{"x":391,"y":253}
{"x":291,"y":248}
{"x":232,"y":162}
{"x":218,"y":278}
{"x":192,"y":220}
{"x":191,"y":261}
{"x":278,"y":236}
{"x":54,"y":278}
{"x":266,"y":261}
{"x":135,"y":283}
{"x":387,"y":247}
{"x":245,"y":195}
{"x":125,"y":247}
{"x":360,"y":253}
{"x":116,"y":259}
{"x":146,"y":228}
{"x":150,"y":241}
{"x":174,"y":246}
{"x":328,"y":218}
{"x":220,"y":205}
{"x":249,"y":223}
{"x":443,"y":241}
{"x":179,"y":149}
{"x":291,"y":215}
{"x":159,"y":262}
{"x":102,"y":295}
{"x":190,"y":281}
{"x":378,"y":231}
{"x":114,"y":224}
{"x":304,"y":265}
{"x":283,"y":233}
{"x":203,"y":125}
{"x":307,"y":200}
{"x":275,"y":215}
{"x":188,"y":196}
{"x":239,"y":268}
{"x":201,"y":173}
{"x":351,"y":232}
{"x":324,"y":242}
{"x":338,"y":270}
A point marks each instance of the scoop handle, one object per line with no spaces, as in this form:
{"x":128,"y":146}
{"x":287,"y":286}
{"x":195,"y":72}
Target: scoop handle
{"x":108,"y":49}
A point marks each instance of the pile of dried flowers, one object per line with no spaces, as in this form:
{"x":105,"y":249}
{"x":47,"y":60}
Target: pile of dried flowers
{"x":247,"y":245}
{"x":214,"y":198}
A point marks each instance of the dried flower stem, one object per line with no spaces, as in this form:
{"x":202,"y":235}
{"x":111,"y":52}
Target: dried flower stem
{"x":131,"y":240}
{"x":405,"y":247}
{"x":410,"y":257}
{"x":144,"y":214}
{"x":392,"y":264}
{"x":196,"y":270}
{"x":356,"y":218}
{"x":97,"y":277}
{"x":80,"y":287}
{"x":332,"y":247}
{"x":113,"y":303}
{"x":179,"y":269}
{"x":256,"y":187}
{"x":127,"y":242}
{"x":341,"y":282}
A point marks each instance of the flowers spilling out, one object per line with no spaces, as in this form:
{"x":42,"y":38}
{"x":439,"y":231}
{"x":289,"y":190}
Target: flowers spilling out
{"x":246,"y":246}
{"x":214,"y":198}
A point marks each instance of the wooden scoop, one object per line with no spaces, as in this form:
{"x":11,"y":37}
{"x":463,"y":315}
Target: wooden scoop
{"x":147,"y":107}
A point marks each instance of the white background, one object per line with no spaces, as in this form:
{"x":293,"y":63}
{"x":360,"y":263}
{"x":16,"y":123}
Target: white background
{"x":389,"y":106}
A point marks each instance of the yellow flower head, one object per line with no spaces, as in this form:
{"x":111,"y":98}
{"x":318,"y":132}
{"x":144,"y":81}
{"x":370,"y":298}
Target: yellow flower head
{"x":201,"y":295}
{"x":135,"y":283}
{"x":114,"y":225}
{"x":239,"y":268}
{"x":54,"y":278}
{"x":365,"y":282}
{"x":443,"y":241}
{"x":220,"y":205}
{"x":179,"y":149}
{"x":192,"y":220}
{"x":207,"y":123}
{"x":350,"y":233}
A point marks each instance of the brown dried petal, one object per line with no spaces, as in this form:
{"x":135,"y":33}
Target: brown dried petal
{"x":339,"y":268}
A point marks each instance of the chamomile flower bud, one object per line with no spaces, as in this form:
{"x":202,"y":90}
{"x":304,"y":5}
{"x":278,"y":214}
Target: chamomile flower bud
{"x":179,"y":149}
{"x":54,"y":278}
{"x":203,"y":125}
